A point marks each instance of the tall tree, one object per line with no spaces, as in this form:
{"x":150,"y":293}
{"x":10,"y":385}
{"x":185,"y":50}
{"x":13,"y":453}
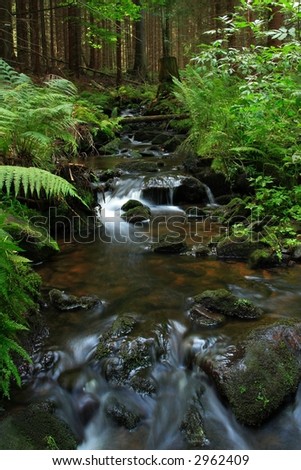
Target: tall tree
{"x":6,"y":32}
{"x":22,"y":33}
{"x":74,"y":39}
{"x":140,"y":67}
{"x":35,"y":36}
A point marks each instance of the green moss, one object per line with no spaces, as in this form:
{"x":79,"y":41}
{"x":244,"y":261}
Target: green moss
{"x":263,"y":258}
{"x":137,"y":214}
{"x":32,"y":428}
{"x":34,"y":240}
{"x":224,"y":302}
{"x":131,"y":204}
{"x":259,"y":383}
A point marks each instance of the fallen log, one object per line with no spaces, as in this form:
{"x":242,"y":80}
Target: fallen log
{"x":159,"y":117}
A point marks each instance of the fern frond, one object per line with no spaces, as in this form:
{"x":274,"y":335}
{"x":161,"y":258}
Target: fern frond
{"x":61,"y":85}
{"x":33,"y":180}
{"x":10,"y":77}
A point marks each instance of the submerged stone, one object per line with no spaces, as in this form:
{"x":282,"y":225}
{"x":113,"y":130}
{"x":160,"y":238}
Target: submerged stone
{"x":64,"y":302}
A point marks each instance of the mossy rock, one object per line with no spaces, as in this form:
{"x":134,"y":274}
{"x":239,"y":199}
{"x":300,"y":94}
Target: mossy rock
{"x":192,"y":428}
{"x":137,"y":214}
{"x":263,"y":258}
{"x":267,"y":373}
{"x":222,"y":301}
{"x":35,"y":240}
{"x":237,"y":247}
{"x":121,"y":415}
{"x":120,"y":328}
{"x":64,"y":302}
{"x":131,"y":204}
{"x":36,"y":428}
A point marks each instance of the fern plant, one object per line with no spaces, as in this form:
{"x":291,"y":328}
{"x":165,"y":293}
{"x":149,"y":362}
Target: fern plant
{"x":40,"y":123}
{"x":34,"y":180}
{"x":19,"y":288}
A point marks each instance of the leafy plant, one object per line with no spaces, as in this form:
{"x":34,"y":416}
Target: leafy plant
{"x":34,"y":180}
{"x":40,"y":123}
{"x":19,"y":287}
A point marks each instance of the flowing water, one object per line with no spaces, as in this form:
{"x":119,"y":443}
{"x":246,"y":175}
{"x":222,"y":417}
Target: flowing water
{"x":118,"y":265}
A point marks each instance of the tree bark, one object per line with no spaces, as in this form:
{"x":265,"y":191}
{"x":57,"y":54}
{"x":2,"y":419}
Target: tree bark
{"x":44,"y":42}
{"x":6,"y":33}
{"x":34,"y":36}
{"x":22,"y":30}
{"x":140,"y":67}
{"x":118,"y":54}
{"x":167,"y":72}
{"x":74,"y":39}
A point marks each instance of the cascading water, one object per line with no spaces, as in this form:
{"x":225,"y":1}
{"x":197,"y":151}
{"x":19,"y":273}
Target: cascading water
{"x":131,"y":279}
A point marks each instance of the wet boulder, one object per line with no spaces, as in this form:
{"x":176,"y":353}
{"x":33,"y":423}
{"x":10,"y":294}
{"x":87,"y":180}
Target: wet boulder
{"x":170,"y":189}
{"x":237,"y":248}
{"x":122,"y":415}
{"x":63,"y":301}
{"x":192,"y":427}
{"x":263,"y":258}
{"x":262,"y":373}
{"x":135,"y":211}
{"x":123,"y":356}
{"x":222,"y":303}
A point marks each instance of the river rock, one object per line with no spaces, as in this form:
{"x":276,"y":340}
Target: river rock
{"x":261,"y":373}
{"x":122,"y":415}
{"x":123,"y":355}
{"x":201,"y":316}
{"x":237,"y":248}
{"x":263,"y":258}
{"x":192,"y":427}
{"x":222,"y":302}
{"x":135,"y":211}
{"x":63,"y":301}
{"x":170,"y":189}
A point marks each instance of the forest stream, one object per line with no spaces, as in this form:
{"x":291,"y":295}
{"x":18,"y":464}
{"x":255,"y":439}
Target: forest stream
{"x":119,"y":266}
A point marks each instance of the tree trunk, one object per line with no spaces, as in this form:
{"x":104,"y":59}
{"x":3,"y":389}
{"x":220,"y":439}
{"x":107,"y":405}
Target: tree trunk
{"x":166,"y":36}
{"x":22,"y":30}
{"x":274,"y":23}
{"x":118,"y":53}
{"x":6,"y":35}
{"x":74,"y":39}
{"x":34,"y":36}
{"x":140,"y":67}
{"x":43,"y":35}
{"x":167,"y":72}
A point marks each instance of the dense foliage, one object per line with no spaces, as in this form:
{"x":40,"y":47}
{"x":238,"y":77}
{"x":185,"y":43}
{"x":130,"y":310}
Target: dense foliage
{"x":244,"y":107}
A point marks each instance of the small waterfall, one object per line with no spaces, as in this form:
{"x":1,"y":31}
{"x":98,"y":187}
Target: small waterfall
{"x":210,"y":196}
